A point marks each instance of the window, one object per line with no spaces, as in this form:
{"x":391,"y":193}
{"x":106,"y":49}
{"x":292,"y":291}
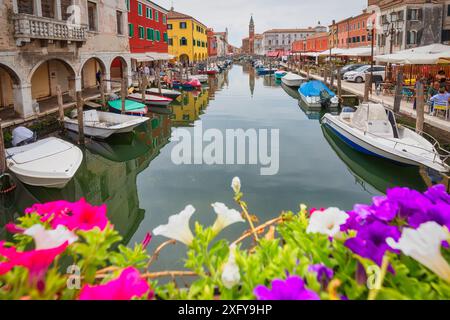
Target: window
{"x":170,"y":42}
{"x":363,"y":39}
{"x":66,"y":10}
{"x":412,"y":37}
{"x":198,"y":43}
{"x":165,"y":37}
{"x":156,"y":15}
{"x":194,"y":42}
{"x":158,"y":35}
{"x":183,"y":41}
{"x":414,"y":14}
{"x":169,"y":26}
{"x":25,"y":6}
{"x":92,"y":16}
{"x":150,"y":34}
{"x":48,"y":8}
{"x":139,"y":8}
{"x":183,"y":25}
{"x":130,"y":30}
{"x":164,"y":19}
{"x":128,"y":4}
{"x":149,"y":13}
{"x":399,"y":41}
{"x":448,"y":10}
{"x":119,"y":20}
{"x":141,"y":32}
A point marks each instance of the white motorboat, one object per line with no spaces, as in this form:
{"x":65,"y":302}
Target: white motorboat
{"x":203,"y":78}
{"x":150,"y":99}
{"x":373,"y":130}
{"x":50,"y":162}
{"x":293,"y":80}
{"x":104,"y":124}
{"x":172,"y":94}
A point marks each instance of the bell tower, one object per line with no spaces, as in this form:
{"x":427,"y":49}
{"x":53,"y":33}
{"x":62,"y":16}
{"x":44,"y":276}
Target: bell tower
{"x":251,"y":36}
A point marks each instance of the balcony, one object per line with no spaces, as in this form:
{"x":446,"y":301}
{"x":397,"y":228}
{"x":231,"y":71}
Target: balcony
{"x":28,"y":27}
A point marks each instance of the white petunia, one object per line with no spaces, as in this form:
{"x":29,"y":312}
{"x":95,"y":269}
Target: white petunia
{"x":49,"y":239}
{"x":230,"y":274}
{"x":178,"y":227}
{"x":327,"y":222}
{"x":236,"y":184}
{"x":225,"y":217}
{"x":424,"y":245}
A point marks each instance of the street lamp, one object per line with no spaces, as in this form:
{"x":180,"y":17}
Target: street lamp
{"x":391,"y":24}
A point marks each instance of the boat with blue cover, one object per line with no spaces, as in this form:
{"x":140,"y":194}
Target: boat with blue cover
{"x":315,"y":93}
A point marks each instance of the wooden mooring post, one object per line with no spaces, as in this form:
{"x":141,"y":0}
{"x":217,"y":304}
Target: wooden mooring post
{"x":420,"y":107}
{"x":2,"y":151}
{"x":59,"y":99}
{"x":339,"y":84}
{"x":398,"y":91}
{"x":123,"y":93}
{"x":367,"y":83}
{"x":103,"y":91}
{"x":80,"y":117}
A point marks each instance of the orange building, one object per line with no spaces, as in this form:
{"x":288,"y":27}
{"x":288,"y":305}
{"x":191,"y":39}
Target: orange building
{"x":352,"y":32}
{"x":299,"y":46}
{"x":317,"y":42}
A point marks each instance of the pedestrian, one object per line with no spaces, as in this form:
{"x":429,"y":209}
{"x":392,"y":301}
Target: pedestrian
{"x":146,"y":71}
{"x":98,"y":77}
{"x":441,"y":77}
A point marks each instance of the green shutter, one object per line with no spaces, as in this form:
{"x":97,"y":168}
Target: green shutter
{"x":148,"y":34}
{"x":158,"y":35}
{"x":130,"y":29}
{"x":156,"y":15}
{"x":165,"y":37}
{"x":140,"y":9}
{"x":128,"y":4}
{"x":141,"y":32}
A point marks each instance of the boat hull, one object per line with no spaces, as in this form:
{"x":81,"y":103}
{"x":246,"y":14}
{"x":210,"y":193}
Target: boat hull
{"x":371,"y":149}
{"x":151,"y":102}
{"x":172,"y":94}
{"x":292,"y":83}
{"x":315,"y":103}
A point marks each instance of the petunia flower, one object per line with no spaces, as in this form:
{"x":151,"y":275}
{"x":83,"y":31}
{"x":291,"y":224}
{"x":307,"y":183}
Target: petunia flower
{"x":324,"y":274}
{"x":83,"y":216}
{"x":408,"y":201}
{"x":178,"y":227}
{"x":437,"y":194}
{"x":328,"y":222}
{"x":438,"y":213}
{"x":236,"y":184}
{"x":127,"y":286}
{"x":147,"y":239}
{"x":14,"y":229}
{"x":424,"y":245}
{"x":370,"y":241}
{"x":230,"y":273}
{"x":36,"y":261}
{"x":225,"y":217}
{"x":50,"y":209}
{"x":48,"y":239}
{"x":293,"y":288}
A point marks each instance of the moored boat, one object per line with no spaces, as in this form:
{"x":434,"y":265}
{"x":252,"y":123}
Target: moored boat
{"x":102,"y":125}
{"x":373,"y":130}
{"x":316,"y":94}
{"x":49,"y":162}
{"x":203,"y":78}
{"x":265,"y":71}
{"x":132,"y":108}
{"x":280,"y":74}
{"x":172,"y":94}
{"x":293,"y":80}
{"x":150,"y":99}
{"x":191,"y":84}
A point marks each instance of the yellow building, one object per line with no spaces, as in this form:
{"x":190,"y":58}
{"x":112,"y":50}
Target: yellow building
{"x":188,"y":40}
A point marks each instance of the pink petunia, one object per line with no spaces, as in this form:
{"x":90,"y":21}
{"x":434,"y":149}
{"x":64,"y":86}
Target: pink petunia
{"x":127,"y":286}
{"x":147,"y":239}
{"x":50,"y":210}
{"x":83,"y":216}
{"x":36,"y":261}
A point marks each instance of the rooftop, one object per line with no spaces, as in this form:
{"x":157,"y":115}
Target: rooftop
{"x":289,"y":30}
{"x":175,"y":15}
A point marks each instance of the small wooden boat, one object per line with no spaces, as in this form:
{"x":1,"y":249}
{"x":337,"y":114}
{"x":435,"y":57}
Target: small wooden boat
{"x":132,"y":108}
{"x":316,"y":94}
{"x":265,"y":71}
{"x":176,"y":84}
{"x":293,"y":80}
{"x":104,"y":124}
{"x":172,"y":94}
{"x":151,"y":100}
{"x":280,"y":74}
{"x":373,"y":130}
{"x":50,"y":162}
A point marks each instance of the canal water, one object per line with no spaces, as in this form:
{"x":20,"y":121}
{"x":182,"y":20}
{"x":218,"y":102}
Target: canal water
{"x":137,"y":179}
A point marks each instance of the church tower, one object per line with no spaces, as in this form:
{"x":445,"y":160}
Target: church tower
{"x":251,"y":36}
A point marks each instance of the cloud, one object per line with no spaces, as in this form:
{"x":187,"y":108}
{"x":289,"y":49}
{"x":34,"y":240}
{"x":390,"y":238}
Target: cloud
{"x":268,"y":14}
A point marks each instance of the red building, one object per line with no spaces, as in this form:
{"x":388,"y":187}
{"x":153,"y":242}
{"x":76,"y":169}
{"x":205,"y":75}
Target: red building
{"x":299,"y":46}
{"x":212,"y":43}
{"x":317,"y":42}
{"x":147,"y":28}
{"x":352,"y":32}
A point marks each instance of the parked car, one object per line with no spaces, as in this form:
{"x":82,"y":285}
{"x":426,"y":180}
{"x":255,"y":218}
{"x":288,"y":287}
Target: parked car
{"x":359,"y":75}
{"x":347,"y":68}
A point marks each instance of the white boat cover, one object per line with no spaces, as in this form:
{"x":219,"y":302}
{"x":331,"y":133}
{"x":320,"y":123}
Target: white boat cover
{"x":47,"y":148}
{"x":21,"y":134}
{"x":368,"y":112}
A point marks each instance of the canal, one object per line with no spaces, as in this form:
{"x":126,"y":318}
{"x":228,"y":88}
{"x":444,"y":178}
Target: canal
{"x":137,"y":179}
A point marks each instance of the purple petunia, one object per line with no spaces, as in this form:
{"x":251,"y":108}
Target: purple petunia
{"x":293,"y":288}
{"x":370,"y":241}
{"x":324,"y":274}
{"x":438,"y":194}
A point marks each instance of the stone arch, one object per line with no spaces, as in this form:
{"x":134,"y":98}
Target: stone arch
{"x":118,"y":67}
{"x":47,"y":74}
{"x":88,"y":71}
{"x":9,"y":83}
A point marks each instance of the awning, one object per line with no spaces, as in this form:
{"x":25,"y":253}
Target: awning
{"x":357,"y":52}
{"x":273,"y":54}
{"x":334,"y":52}
{"x":311,"y":54}
{"x":432,"y":54}
{"x":151,"y":56}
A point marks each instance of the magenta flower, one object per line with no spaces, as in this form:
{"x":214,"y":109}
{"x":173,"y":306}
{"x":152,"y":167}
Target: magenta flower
{"x":370,"y":241}
{"x":293,"y":288}
{"x":147,"y":239}
{"x":127,"y":286}
{"x":437,"y":194}
{"x":36,"y":261}
{"x":82,"y":216}
{"x":324,"y":274}
{"x":14,"y":229}
{"x":50,"y":209}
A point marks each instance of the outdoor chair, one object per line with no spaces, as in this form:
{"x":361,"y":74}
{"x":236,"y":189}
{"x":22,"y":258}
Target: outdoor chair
{"x":407,"y":94}
{"x":445,"y":108}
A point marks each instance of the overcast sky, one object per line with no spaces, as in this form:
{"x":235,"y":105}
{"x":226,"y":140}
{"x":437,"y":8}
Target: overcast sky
{"x":268,"y":14}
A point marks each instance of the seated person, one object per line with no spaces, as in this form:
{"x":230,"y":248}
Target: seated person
{"x":440,"y":99}
{"x":441,"y":77}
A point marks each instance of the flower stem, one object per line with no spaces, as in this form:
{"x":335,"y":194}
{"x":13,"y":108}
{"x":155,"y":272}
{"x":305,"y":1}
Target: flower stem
{"x":379,"y":283}
{"x":243,"y":205}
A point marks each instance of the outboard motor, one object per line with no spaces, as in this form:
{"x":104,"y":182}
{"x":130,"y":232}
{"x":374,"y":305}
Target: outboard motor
{"x":22,"y":136}
{"x":325,"y":99}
